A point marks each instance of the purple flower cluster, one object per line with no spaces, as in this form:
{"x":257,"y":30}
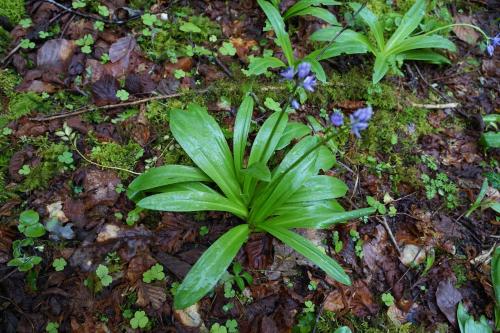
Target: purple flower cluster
{"x":337,"y":119}
{"x":492,"y":44}
{"x":308,"y":80}
{"x":360,"y":119}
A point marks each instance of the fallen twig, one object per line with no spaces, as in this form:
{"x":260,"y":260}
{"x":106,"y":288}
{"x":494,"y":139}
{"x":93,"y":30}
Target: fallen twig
{"x":91,"y":17}
{"x":436,"y":106}
{"x":383,"y":221}
{"x":114,"y":106}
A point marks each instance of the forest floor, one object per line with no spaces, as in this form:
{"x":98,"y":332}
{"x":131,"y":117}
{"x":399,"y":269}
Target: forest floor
{"x":85,"y":110}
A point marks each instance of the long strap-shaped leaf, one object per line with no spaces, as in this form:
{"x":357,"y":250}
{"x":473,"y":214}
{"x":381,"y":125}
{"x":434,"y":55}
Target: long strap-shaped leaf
{"x":317,"y":218}
{"x":299,"y":6}
{"x":288,"y":177}
{"x":338,"y":48}
{"x":424,"y":55}
{"x":332,"y":205}
{"x":408,"y":24}
{"x":274,"y":16}
{"x":165,"y":175}
{"x":241,"y":130}
{"x":202,"y":139}
{"x":308,"y":250}
{"x":207,"y":271}
{"x":376,"y":25}
{"x":423,"y":42}
{"x":380,"y":68}
{"x":191,"y":197}
{"x":320,"y":188}
{"x":264,"y":145}
{"x":321,"y":13}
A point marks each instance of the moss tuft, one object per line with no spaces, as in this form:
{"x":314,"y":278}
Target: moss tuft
{"x":20,"y":105}
{"x":8,"y":82}
{"x":115,"y":155}
{"x":41,"y":174}
{"x":14,"y":10}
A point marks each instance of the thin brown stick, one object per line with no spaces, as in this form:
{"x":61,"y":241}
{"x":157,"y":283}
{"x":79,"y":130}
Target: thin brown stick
{"x":114,"y":106}
{"x":91,"y":17}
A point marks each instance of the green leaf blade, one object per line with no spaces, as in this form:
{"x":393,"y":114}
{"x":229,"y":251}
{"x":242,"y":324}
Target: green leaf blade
{"x":274,"y":16}
{"x":165,"y":175}
{"x":207,"y":271}
{"x":316,"y":218}
{"x":241,"y":130}
{"x":191,"y":198}
{"x":202,"y":139}
{"x":308,"y":250}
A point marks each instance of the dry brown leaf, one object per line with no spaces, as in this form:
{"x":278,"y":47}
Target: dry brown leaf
{"x":465,"y":34}
{"x":447,"y":298}
{"x":153,"y":294}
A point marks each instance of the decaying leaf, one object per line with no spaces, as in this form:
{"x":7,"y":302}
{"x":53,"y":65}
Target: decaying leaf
{"x":447,"y":298}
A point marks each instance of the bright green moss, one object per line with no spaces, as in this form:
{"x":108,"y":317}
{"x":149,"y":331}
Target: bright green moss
{"x":14,"y":10}
{"x":41,"y":174}
{"x":4,"y":40}
{"x":20,"y":105}
{"x":355,"y":85}
{"x":115,"y":155}
{"x":8,"y":82}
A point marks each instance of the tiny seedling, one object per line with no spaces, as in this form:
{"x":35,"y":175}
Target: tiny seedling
{"x":29,"y":224}
{"x":376,"y":204}
{"x":103,"y":11}
{"x":241,"y":276}
{"x":26,"y":23}
{"x":59,"y":264}
{"x":77,"y":4}
{"x":122,"y":95}
{"x":119,"y":188}
{"x":154,"y":273}
{"x":140,"y":320}
{"x":44,"y":35}
{"x":133,"y":216}
{"x":149,"y":19}
{"x":203,"y":230}
{"x":388,"y":299}
{"x":312,"y":286}
{"x":85,"y":43}
{"x":102,"y":273}
{"x":99,"y":25}
{"x":227,"y":49}
{"x":358,"y":247}
{"x":52,"y":327}
{"x":67,"y":133}
{"x":20,"y":260}
{"x":27,"y":44}
{"x":231,"y":326}
{"x":25,"y":170}
{"x":179,"y":74}
{"x":66,"y":158}
{"x":338,"y":245}
{"x":127,"y":314}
